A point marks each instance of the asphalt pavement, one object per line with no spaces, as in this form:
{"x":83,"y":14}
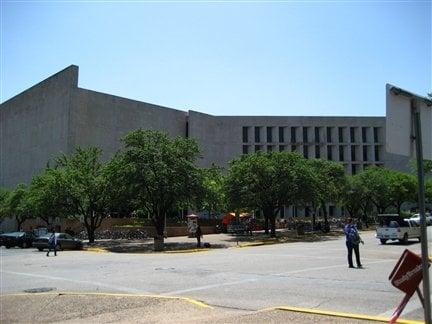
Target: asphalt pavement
{"x":250,"y":284}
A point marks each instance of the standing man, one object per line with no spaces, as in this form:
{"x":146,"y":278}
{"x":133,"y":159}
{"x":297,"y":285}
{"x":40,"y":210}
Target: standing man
{"x":52,"y":244}
{"x":352,"y":242}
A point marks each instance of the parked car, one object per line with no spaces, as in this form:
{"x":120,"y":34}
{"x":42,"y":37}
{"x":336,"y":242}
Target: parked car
{"x":64,"y":241}
{"x":393,"y":227}
{"x":21,"y":239}
{"x":416,"y":218}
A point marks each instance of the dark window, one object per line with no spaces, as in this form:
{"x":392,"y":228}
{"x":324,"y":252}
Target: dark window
{"x":293,"y":135}
{"x":365,"y":153}
{"x":245,"y":149}
{"x":375,"y":130}
{"x":293,"y":148}
{"x":377,"y":155}
{"x":269,"y":148}
{"x":317,"y":134}
{"x":317,"y":151}
{"x":306,"y":151}
{"x":353,"y":169}
{"x":245,"y":134}
{"x":305,"y":134}
{"x":329,"y":153}
{"x":281,"y":148}
{"x":352,"y":134}
{"x":340,"y":134}
{"x":329,"y":137}
{"x":364,"y":137}
{"x":257,"y":148}
{"x":281,"y":135}
{"x":341,"y":153}
{"x":353,"y":153}
{"x":257,"y":134}
{"x":269,"y":134}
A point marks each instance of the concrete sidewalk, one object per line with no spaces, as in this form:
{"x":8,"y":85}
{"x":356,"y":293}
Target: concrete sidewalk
{"x":121,"y":308}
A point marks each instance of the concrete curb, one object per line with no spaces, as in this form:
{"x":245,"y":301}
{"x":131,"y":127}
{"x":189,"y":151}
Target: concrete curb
{"x":342,"y":314}
{"x":67,"y":293}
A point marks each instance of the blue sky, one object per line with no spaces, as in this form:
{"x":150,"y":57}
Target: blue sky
{"x":225,"y":58}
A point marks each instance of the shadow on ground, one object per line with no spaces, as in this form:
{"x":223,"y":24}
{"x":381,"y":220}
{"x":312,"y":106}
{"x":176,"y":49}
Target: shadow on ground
{"x":214,"y":241}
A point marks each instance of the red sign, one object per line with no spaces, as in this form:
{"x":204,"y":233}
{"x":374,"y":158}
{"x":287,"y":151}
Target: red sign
{"x":407,"y":273}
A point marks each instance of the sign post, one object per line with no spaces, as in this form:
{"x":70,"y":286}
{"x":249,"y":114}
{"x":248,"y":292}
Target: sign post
{"x":406,"y":276}
{"x":409,"y":129}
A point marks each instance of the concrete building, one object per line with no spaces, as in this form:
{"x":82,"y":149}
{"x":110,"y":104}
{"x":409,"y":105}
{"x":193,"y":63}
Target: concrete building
{"x":56,"y":116}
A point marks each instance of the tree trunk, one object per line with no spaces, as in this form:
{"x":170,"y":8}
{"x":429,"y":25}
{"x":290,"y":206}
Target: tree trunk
{"x":326,"y":228}
{"x":159,"y":222}
{"x":266,"y":224}
{"x":270,"y":218}
{"x":158,"y":244}
{"x":20,"y":221}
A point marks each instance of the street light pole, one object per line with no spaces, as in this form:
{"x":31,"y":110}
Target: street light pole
{"x":421,"y":198}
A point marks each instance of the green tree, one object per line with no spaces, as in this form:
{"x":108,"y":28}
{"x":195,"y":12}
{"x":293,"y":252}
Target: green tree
{"x":428,"y":191}
{"x":355,"y":198}
{"x":403,"y":188}
{"x":212,"y":197}
{"x":329,"y":180}
{"x":427,"y":167}
{"x":162,"y":175}
{"x":84,"y":187}
{"x":4,"y":194}
{"x":267,"y":181}
{"x":15,"y":205}
{"x":377,"y":182}
{"x":46,"y":197}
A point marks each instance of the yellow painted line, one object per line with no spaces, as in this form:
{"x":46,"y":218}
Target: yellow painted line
{"x":186,"y":251}
{"x":67,"y":293}
{"x":98,"y":250}
{"x":259,"y":243}
{"x":341,"y":314}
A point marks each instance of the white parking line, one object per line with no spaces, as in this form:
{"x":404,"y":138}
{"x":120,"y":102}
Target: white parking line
{"x":93,"y":283}
{"x":175,"y":292}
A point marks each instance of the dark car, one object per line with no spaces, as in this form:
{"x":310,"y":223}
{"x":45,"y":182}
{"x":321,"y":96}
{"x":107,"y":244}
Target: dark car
{"x":64,"y":242}
{"x":21,"y":239}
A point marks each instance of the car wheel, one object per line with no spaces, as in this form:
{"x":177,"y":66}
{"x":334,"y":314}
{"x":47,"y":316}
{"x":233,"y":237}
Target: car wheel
{"x":59,"y":248}
{"x":404,"y":239}
{"x":24,"y":245}
{"x":383,"y":241}
{"x":40,"y":249}
{"x":7,"y":246}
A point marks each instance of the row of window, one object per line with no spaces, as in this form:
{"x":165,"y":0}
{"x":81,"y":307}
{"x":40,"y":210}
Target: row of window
{"x":331,"y":151}
{"x":330,"y":134}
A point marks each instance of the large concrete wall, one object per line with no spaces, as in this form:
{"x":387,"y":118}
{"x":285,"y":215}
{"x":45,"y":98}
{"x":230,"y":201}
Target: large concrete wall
{"x":101,"y":120}
{"x":34,"y":127}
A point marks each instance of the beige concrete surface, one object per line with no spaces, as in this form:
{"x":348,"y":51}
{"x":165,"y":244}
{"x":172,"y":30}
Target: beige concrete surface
{"x":93,"y":308}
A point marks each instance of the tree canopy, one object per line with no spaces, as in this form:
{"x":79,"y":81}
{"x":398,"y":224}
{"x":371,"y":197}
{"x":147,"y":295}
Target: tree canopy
{"x":162,"y":174}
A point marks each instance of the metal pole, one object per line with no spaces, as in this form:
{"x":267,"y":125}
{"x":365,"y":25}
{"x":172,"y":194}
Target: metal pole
{"x":421,"y":198}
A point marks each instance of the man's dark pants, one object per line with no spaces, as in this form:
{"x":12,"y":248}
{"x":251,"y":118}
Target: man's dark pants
{"x":52,"y":247}
{"x":355,"y":247}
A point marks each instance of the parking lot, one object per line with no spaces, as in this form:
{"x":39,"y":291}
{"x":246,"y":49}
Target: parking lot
{"x":312,"y":275}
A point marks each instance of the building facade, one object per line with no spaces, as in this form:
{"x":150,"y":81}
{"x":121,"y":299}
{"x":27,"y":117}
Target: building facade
{"x":55,"y":116}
